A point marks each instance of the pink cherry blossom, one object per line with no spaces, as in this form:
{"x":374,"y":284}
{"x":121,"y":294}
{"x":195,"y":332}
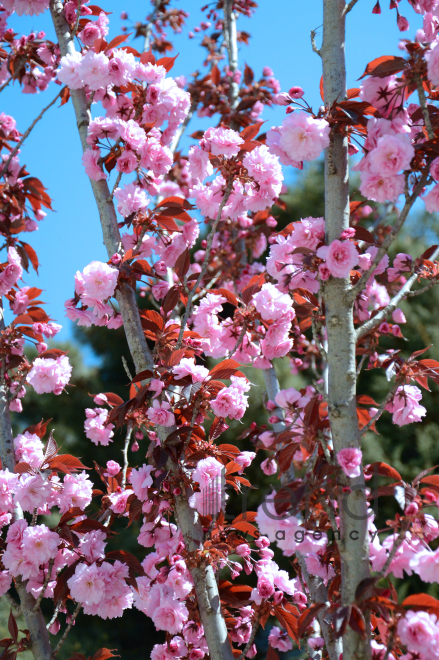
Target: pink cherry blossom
{"x":419,"y":632}
{"x":141,"y":480}
{"x":222,"y":141}
{"x":349,"y":460}
{"x":93,"y":70}
{"x":48,"y":375}
{"x":130,"y":199}
{"x":32,"y":492}
{"x":86,"y":585}
{"x":405,"y":405}
{"x":90,"y":162}
{"x":381,"y":188}
{"x":27,"y":7}
{"x":302,"y":137}
{"x":271,"y":303}
{"x":392,"y":154}
{"x":187,"y":367}
{"x":99,"y":280}
{"x":159,"y":413}
{"x":96,"y":428}
{"x":340,"y":257}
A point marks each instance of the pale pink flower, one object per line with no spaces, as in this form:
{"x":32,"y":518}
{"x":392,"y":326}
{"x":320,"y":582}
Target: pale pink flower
{"x":377,"y":91}
{"x":12,"y":272}
{"x":132,"y":133}
{"x":398,"y":316}
{"x":187,"y":367}
{"x":99,"y":280}
{"x":392,"y":154}
{"x":340,"y":257}
{"x":199,"y":165}
{"x":141,"y":480}
{"x":121,"y":67}
{"x":434,"y":169}
{"x":86,"y":585}
{"x":48,"y":375}
{"x":77,"y":492}
{"x":130,"y":199}
{"x":244,"y":459}
{"x":271,"y":303}
{"x":29,"y":448}
{"x":431,"y":200}
{"x":278,"y":639}
{"x":40,"y":543}
{"x":32,"y":492}
{"x":263,"y":166}
{"x":170,"y":614}
{"x":380,"y":188}
{"x":5,"y":582}
{"x":269,"y":466}
{"x":419,"y":632}
{"x":27,"y":7}
{"x":402,"y":263}
{"x":426,"y":564}
{"x":96,"y":428}
{"x":222,"y":141}
{"x":230,"y":402}
{"x":433,"y":66}
{"x":207,"y":469}
{"x":93,"y":70}
{"x":303,"y":137}
{"x":93,"y":545}
{"x":159,"y":413}
{"x":90,"y":32}
{"x":405,"y":405}
{"x":113,"y":468}
{"x":8,"y":485}
{"x":127,"y":162}
{"x":90,"y":162}
{"x":349,"y":460}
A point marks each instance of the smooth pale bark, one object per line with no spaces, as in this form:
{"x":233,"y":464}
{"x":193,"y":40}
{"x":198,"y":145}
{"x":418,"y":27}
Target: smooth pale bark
{"x":35,"y":623}
{"x":341,"y":363}
{"x":205,"y":583}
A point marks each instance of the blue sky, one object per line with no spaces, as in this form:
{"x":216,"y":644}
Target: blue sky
{"x":70,"y":237}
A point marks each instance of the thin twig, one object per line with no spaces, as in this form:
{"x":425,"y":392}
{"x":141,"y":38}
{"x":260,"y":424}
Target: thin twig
{"x":404,"y":292}
{"x":390,"y":644}
{"x":6,"y":83}
{"x":313,"y":43}
{"x":350,"y":6}
{"x":67,"y":630}
{"x":359,"y":286}
{"x":125,"y":454}
{"x":45,"y":583}
{"x":187,"y":313}
{"x":78,"y":17}
{"x":249,"y":644}
{"x":381,"y":409}
{"x":27,"y":133}
{"x":55,"y":614}
{"x":423,"y":104}
{"x":396,"y":545}
{"x":116,"y":185}
{"x":126,"y":367}
{"x":34,"y":518}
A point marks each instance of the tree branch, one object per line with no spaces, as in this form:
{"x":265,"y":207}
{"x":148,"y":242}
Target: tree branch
{"x":67,"y":630}
{"x":359,"y":286}
{"x":404,"y":292}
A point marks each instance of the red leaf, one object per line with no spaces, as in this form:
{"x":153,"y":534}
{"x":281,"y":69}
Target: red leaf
{"x":307,"y":617}
{"x":422,"y":602}
{"x":246,"y":528}
{"x":66,"y":461}
{"x":215,"y":75}
{"x":361,"y":234}
{"x":95,"y":10}
{"x":427,"y":254}
{"x":23,"y":468}
{"x":383,"y":470}
{"x":142,"y":375}
{"x":32,"y":256}
{"x":272,"y":654}
{"x":65,"y":95}
{"x":235,"y":595}
{"x":126,"y":558}
{"x":248,"y":75}
{"x":288,"y":618}
{"x":12,"y":627}
{"x":113,"y":399}
{"x":147,"y":57}
{"x":228,"y":295}
{"x":167,"y":62}
{"x":104,"y":654}
{"x":38,"y":429}
{"x":251,"y":132}
{"x":114,"y":43}
{"x":384,"y":66}
{"x":52,"y":353}
{"x":175,"y":357}
{"x":224,"y":369}
{"x":175,"y":202}
{"x":322,"y":90}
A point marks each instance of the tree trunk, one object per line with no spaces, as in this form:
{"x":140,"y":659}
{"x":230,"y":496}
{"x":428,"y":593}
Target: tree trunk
{"x":341,"y":362}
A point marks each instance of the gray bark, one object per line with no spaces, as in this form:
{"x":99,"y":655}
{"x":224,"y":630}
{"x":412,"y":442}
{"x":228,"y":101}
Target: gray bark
{"x":204,"y":579}
{"x":354,"y":549}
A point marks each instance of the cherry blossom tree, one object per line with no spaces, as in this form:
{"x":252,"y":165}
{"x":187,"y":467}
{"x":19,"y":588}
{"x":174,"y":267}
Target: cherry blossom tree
{"x":320,"y":292}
